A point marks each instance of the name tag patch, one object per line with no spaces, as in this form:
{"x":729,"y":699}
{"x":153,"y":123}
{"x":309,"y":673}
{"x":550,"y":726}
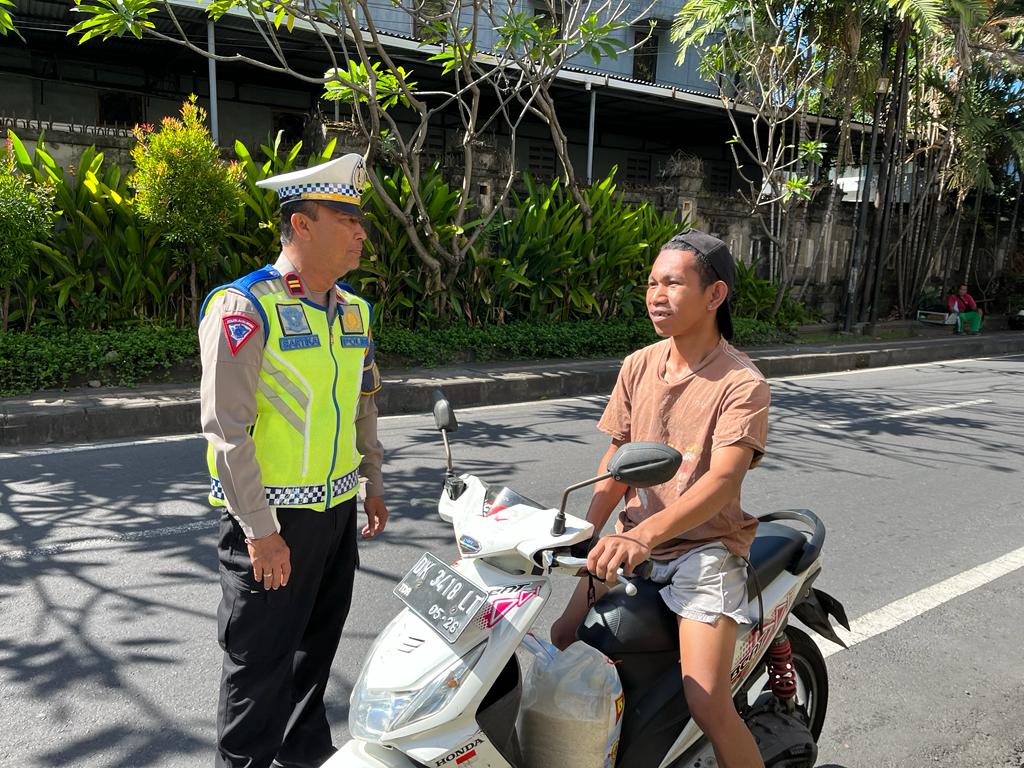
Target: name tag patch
{"x":355,"y":341}
{"x":289,"y":343}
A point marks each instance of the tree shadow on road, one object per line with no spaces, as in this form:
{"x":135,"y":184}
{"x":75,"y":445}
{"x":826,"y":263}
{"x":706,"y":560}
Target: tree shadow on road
{"x":108,"y":563}
{"x":818,"y":424}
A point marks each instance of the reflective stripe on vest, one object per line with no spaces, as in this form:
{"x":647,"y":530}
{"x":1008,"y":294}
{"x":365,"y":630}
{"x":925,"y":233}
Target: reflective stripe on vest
{"x":297,"y":495}
{"x":307,"y":395}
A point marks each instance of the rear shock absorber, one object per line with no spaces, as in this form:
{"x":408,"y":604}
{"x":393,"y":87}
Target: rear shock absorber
{"x":781,"y":673}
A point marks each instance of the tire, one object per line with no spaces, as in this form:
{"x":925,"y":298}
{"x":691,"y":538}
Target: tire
{"x":812,"y":679}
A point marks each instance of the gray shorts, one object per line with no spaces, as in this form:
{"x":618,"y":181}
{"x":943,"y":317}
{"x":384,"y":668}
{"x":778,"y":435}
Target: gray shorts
{"x":705,"y":583}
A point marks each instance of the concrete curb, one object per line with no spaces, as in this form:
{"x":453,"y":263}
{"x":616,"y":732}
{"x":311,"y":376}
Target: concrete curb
{"x":95,"y":415}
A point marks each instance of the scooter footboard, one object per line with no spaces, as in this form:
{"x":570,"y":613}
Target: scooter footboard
{"x":359,"y":754}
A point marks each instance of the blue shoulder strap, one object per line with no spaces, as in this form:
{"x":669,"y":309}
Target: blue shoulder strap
{"x":244,"y":285}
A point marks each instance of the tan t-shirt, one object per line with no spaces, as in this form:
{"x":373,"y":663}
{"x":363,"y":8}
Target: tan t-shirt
{"x":723,"y":401}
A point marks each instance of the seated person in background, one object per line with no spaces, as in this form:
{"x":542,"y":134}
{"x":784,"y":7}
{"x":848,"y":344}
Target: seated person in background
{"x":968,"y":313}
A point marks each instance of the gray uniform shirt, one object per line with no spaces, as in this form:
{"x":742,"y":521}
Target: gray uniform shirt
{"x":228,"y":408}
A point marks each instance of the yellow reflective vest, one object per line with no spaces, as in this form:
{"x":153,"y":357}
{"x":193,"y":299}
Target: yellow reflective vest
{"x":307,"y":395}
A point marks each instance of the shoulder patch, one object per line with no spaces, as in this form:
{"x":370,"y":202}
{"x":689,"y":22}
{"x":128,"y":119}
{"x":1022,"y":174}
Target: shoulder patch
{"x":238,"y":329}
{"x":294,"y":284}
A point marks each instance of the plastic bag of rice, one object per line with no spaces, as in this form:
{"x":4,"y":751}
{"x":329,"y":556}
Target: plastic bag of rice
{"x":572,"y":707}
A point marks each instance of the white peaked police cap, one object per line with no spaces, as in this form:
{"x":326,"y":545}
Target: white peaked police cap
{"x":338,"y":183}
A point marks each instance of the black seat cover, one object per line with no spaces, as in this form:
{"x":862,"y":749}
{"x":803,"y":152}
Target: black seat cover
{"x":776,"y":548}
{"x":618,"y":624}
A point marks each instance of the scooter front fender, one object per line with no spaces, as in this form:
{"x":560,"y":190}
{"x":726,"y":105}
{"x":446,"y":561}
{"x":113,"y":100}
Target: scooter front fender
{"x":360,"y":754}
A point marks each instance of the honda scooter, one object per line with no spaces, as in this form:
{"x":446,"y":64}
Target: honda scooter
{"x":442,"y":683}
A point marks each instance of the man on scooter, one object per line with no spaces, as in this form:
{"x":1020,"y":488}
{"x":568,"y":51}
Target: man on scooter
{"x":694,"y":391}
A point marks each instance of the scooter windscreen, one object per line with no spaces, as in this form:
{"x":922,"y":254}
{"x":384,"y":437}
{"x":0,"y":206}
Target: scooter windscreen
{"x":498,"y":499}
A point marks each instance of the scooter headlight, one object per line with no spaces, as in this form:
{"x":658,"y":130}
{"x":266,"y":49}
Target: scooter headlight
{"x":374,"y":712}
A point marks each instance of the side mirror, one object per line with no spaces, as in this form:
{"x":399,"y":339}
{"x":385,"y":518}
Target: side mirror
{"x":640,"y":465}
{"x":444,"y":416}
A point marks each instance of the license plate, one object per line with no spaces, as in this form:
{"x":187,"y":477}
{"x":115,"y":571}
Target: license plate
{"x":442,"y":597}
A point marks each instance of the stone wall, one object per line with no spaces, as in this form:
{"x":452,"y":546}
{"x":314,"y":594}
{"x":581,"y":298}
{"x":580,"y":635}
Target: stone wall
{"x":729,"y":218}
{"x":65,"y":142}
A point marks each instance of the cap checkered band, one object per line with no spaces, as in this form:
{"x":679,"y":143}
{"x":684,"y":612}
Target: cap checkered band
{"x":319,"y":190}
{"x":345,"y":484}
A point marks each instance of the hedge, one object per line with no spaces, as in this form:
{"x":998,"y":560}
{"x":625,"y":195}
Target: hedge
{"x":55,"y":359}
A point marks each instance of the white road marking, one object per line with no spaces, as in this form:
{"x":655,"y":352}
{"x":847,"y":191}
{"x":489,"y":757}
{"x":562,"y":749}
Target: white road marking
{"x":910,"y":607}
{"x":901,"y":414}
{"x":503,"y":406}
{"x":101,"y":446}
{"x":528,"y":404}
{"x":56,"y":549}
{"x":883,"y":368}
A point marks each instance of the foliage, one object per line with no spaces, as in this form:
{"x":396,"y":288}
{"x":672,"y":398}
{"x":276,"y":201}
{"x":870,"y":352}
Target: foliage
{"x":358,"y":82}
{"x":549,"y":263}
{"x":183,"y":188}
{"x":26,"y":215}
{"x":513,"y":341}
{"x":106,"y":265}
{"x":488,"y":92}
{"x":401,"y":286}
{"x":6,"y":22}
{"x":181,"y":184}
{"x":754,"y":299}
{"x":101,"y":252}
{"x":58,"y":358}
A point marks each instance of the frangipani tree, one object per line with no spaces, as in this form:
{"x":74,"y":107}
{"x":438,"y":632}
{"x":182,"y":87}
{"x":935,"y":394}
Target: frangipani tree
{"x":497,"y":67}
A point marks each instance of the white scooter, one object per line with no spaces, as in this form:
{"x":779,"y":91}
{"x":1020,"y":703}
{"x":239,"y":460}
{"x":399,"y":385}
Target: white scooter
{"x":441,"y":685}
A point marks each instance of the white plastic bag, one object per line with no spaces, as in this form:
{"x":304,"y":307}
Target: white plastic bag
{"x":572,"y":707}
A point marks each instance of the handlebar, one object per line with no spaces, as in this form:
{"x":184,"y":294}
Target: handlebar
{"x":568,"y":561}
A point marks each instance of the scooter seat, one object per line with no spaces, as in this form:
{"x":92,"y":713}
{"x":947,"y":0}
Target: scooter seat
{"x":776,"y":548}
{"x":618,"y":624}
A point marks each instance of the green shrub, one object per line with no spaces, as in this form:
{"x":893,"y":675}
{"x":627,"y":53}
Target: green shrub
{"x":116,"y":258}
{"x":26,"y":215}
{"x":58,"y":358}
{"x":754,"y":298}
{"x":183,"y":187}
{"x":550,"y":265}
{"x":102,"y":263}
{"x":577,"y":339}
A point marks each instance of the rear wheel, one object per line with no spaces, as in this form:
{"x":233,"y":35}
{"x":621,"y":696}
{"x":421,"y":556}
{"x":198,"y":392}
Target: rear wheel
{"x":811,"y":681}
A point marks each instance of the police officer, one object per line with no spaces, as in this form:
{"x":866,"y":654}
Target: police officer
{"x":289,"y":414}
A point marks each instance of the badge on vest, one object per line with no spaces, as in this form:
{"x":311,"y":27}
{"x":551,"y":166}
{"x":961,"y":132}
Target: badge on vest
{"x":355,"y":341}
{"x":293,"y":320}
{"x":351,"y":320}
{"x":289,"y":343}
{"x":238,"y":329}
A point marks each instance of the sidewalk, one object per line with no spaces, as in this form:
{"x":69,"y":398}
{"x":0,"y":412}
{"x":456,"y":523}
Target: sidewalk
{"x":105,"y":414}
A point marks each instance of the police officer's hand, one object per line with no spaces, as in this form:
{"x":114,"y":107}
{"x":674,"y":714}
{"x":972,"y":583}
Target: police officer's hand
{"x":376,"y":516}
{"x":271,"y":560}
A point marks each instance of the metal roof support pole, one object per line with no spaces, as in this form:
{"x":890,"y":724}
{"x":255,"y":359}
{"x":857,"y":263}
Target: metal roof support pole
{"x":590,"y":135}
{"x":211,"y":48}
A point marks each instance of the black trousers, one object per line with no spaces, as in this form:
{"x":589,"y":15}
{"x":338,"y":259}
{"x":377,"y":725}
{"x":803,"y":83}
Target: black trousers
{"x":279,"y":644}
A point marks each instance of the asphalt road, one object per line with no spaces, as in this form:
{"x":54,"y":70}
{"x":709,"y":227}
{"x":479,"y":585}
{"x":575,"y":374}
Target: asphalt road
{"x":108,"y":589}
